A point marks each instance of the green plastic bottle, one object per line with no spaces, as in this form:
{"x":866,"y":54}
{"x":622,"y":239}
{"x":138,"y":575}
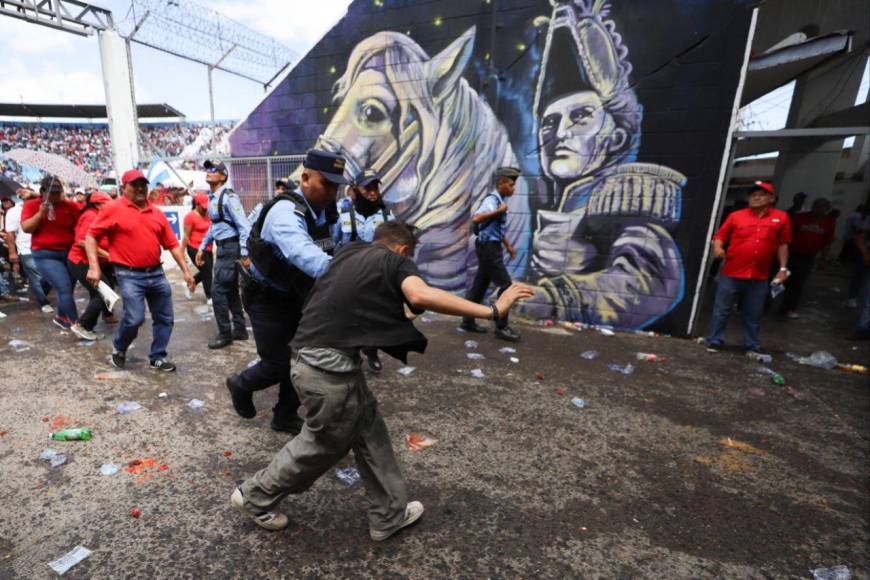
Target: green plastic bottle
{"x":777,"y":379}
{"x":80,"y":434}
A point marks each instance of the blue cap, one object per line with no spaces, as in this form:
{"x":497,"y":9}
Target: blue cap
{"x":216,"y":166}
{"x":329,"y":165}
{"x":366,"y":177}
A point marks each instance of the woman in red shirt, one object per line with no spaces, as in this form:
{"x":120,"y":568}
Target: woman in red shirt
{"x":196,"y":224}
{"x":77,"y":260}
{"x":51,"y":220}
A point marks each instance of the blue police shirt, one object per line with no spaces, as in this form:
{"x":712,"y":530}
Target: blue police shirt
{"x":494,"y":229}
{"x":365,"y":226}
{"x":236,"y":223}
{"x":286,"y":231}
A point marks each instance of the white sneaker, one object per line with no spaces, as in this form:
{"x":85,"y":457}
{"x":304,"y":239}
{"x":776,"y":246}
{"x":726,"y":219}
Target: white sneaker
{"x":208,"y":301}
{"x":47,"y":309}
{"x":187,"y":293}
{"x":83,"y":333}
{"x":272,"y":521}
{"x":413,"y":511}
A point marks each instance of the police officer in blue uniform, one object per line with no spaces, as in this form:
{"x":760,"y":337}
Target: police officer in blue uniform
{"x":229,"y":231}
{"x":290,"y":245}
{"x":489,"y":222}
{"x":359,"y":215}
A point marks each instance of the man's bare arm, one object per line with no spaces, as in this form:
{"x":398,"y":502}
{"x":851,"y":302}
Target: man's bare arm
{"x":422,"y":296}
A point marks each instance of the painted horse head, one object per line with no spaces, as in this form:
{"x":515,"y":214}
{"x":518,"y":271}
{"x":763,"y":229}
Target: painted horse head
{"x":430,"y":135}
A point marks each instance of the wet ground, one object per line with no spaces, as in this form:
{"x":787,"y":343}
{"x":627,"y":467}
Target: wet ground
{"x":693,"y":467}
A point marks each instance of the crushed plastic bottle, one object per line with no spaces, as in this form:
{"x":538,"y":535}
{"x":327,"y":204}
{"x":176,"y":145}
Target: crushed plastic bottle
{"x":53,"y":457}
{"x":777,"y":379}
{"x":590,"y":354}
{"x":19,"y":345}
{"x":514,"y":359}
{"x":475,"y":356}
{"x":127,"y":407}
{"x":477,"y":374}
{"x":764,"y":359}
{"x":605,"y":331}
{"x":578,"y":402}
{"x":650,"y":357}
{"x":765,"y":370}
{"x":776,"y":288}
{"x":195,"y":404}
{"x":70,"y":559}
{"x":859,"y":369}
{"x":507,"y":350}
{"x":348,"y":475}
{"x":819,"y":359}
{"x":406,"y":370}
{"x":626,"y":370}
{"x":471,"y":344}
{"x":109,"y":469}
{"x":78,"y":434}
{"x":835,"y":573}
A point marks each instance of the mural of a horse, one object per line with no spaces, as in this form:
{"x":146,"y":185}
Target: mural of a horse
{"x":435,"y":141}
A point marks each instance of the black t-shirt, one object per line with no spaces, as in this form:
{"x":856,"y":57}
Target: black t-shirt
{"x":358,"y":302}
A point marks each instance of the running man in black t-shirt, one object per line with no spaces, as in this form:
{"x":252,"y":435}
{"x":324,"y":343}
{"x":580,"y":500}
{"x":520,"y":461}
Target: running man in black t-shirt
{"x":358,"y":303}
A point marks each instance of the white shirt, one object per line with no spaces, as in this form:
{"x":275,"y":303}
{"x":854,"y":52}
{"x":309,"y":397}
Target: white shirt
{"x":13,"y":224}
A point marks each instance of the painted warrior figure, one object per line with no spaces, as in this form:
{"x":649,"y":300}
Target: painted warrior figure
{"x":602,"y":250}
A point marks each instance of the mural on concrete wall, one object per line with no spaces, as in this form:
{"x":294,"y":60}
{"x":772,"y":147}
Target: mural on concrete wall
{"x":597,"y":218}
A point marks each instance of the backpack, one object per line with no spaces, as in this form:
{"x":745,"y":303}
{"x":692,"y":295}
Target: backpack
{"x":477,"y":227}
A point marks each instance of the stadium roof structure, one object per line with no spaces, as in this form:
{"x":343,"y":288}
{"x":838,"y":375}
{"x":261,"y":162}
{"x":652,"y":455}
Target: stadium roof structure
{"x":82,"y":111}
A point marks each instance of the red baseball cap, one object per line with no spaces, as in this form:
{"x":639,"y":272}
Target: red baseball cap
{"x":766,"y":186}
{"x":132,"y":175}
{"x":201,"y":200}
{"x":100,"y":197}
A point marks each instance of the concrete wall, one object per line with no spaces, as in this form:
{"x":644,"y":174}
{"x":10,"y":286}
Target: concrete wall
{"x":617,"y":113}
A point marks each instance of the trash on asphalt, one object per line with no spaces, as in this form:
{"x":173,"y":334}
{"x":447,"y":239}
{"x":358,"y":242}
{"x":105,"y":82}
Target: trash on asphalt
{"x":20,"y":345}
{"x":127,"y":407}
{"x":794,"y":392}
{"x":859,"y":369}
{"x":475,"y":356}
{"x":777,"y":379}
{"x":109,"y":469}
{"x":626,"y":370}
{"x":539,"y":376}
{"x":70,"y":559}
{"x":835,"y":573}
{"x":135,"y":512}
{"x":764,"y":359}
{"x":110,"y":376}
{"x":578,"y":402}
{"x":228,"y":453}
{"x":418,"y":441}
{"x":195,"y":404}
{"x":765,"y":370}
{"x":477,"y":373}
{"x":507,"y":350}
{"x":77,"y":434}
{"x":162,"y":395}
{"x":348,"y":475}
{"x":425,"y":319}
{"x":605,"y":331}
{"x":460,"y":330}
{"x":406,"y":370}
{"x":560,"y":392}
{"x":53,"y":457}
{"x":650,"y":357}
{"x":589,"y":354}
{"x":819,"y":359}
{"x":471,"y":344}
{"x":514,"y":359}
{"x":755,"y":392}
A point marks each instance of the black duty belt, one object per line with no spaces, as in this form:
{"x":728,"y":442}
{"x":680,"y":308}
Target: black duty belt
{"x":481,"y":243}
{"x":226,"y":241}
{"x":123,"y":267}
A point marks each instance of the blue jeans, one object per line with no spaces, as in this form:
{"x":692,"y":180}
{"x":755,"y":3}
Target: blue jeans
{"x":729,"y":290}
{"x":38,"y":285}
{"x":136,"y":289}
{"x":52,"y":266}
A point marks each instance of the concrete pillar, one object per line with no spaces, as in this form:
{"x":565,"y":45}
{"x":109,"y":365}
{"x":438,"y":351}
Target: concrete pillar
{"x":120,"y":103}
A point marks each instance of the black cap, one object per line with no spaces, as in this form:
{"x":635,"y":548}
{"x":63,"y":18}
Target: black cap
{"x":508,"y":172}
{"x":215,"y":165}
{"x":365,"y":177}
{"x":329,"y":165}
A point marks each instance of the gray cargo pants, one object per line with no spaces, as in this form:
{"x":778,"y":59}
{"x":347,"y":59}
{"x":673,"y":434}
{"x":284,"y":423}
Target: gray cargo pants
{"x":340,"y":414}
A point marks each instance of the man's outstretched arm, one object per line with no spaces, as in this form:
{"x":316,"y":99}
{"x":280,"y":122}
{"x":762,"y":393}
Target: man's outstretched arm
{"x":422,"y":296}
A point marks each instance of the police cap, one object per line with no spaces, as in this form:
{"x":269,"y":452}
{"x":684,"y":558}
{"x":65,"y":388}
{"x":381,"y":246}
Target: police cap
{"x":215,"y":166}
{"x":508,"y":172}
{"x":329,"y":165}
{"x":366,"y":177}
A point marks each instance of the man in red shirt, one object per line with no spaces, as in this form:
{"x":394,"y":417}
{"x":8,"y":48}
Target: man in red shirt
{"x":812,"y":233}
{"x":754,"y":235}
{"x":137,"y":232}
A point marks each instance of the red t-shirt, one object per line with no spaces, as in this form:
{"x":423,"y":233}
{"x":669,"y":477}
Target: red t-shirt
{"x":752,"y":242}
{"x":199,"y":225}
{"x":810,"y":234}
{"x":56,"y":234}
{"x":135,"y":236}
{"x":77,"y":254}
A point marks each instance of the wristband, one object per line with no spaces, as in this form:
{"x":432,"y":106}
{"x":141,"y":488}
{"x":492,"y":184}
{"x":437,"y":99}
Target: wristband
{"x":495,"y":313}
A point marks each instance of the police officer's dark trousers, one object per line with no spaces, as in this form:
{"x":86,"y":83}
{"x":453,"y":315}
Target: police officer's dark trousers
{"x":274,"y":317}
{"x":225,"y":289}
{"x":490,"y":270}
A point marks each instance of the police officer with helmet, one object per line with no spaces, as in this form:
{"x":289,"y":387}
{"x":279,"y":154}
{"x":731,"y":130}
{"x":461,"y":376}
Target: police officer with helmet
{"x":229,"y":231}
{"x":290,"y":245}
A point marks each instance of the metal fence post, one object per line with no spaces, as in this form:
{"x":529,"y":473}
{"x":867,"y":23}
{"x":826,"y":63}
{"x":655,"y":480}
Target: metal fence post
{"x":270,"y":183}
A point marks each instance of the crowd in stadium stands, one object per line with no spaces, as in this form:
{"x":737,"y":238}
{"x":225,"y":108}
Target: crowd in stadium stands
{"x":89,"y":145}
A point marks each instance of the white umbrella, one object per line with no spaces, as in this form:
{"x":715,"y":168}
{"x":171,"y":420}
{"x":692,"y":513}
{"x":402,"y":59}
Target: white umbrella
{"x":53,"y":164}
